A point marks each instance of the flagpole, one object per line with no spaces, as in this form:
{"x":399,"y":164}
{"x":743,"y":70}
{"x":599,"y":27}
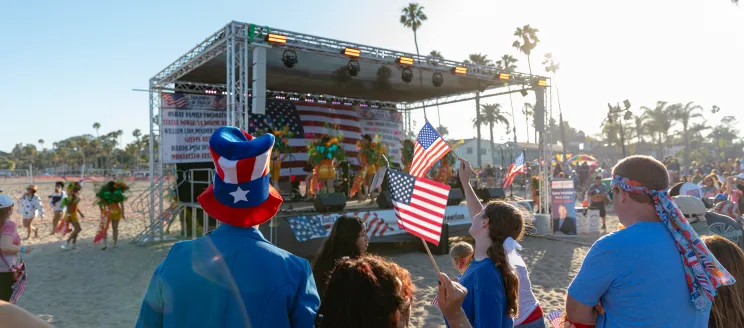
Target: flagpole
{"x":527,"y":163}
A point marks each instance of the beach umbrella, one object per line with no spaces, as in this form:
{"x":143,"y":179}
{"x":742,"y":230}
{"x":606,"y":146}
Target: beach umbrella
{"x":575,"y":160}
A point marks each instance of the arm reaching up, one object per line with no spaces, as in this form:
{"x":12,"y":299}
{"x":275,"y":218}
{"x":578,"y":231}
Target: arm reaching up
{"x":474,"y":205}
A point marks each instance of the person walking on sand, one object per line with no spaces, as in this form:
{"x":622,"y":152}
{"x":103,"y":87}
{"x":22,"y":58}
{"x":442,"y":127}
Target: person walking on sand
{"x":71,"y":217}
{"x":30,"y":207}
{"x":58,"y":201}
{"x":233,"y":276}
{"x":111,"y":200}
{"x":654,"y":273}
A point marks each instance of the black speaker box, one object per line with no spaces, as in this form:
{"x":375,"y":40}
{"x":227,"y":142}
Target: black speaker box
{"x":487,"y":194}
{"x":384,"y":200}
{"x":330,"y":202}
{"x":455,"y":197}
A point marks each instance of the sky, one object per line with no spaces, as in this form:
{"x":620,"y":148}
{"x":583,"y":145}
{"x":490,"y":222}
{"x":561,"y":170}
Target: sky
{"x":67,"y":64}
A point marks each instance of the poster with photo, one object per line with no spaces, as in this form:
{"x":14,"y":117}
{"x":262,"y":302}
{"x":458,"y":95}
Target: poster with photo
{"x":563,"y":201}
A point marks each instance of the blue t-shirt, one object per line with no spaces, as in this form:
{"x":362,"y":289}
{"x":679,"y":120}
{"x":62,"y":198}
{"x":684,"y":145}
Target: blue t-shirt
{"x":638,"y":275}
{"x":485,"y":303}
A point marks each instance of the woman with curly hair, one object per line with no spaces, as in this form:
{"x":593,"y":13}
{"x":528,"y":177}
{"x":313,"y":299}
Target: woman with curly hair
{"x":348,"y":238}
{"x":367,"y":292}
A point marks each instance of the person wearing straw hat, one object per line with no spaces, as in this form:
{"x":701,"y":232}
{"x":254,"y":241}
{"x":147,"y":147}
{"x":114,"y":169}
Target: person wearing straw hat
{"x":30,"y":206}
{"x":233,"y":277}
{"x":654,"y":273}
{"x":10,"y":248}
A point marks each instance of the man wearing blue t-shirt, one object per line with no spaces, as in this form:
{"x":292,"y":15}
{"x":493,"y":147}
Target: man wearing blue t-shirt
{"x":637,"y":274}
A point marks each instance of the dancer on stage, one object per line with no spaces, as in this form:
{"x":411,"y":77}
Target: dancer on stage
{"x":111,"y":199}
{"x":57,"y":202}
{"x":370,"y":158}
{"x":30,"y":207}
{"x":233,"y":276}
{"x":71,"y":217}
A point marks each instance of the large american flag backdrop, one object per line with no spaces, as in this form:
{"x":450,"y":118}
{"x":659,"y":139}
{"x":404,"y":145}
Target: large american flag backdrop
{"x":309,"y":121}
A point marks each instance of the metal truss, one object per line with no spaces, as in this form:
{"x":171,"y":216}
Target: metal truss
{"x":197,"y":87}
{"x":205,"y":51}
{"x":451,"y":99}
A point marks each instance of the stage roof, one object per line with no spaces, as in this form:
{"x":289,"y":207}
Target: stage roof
{"x":321,"y":68}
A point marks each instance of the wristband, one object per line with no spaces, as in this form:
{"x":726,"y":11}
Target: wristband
{"x":23,"y":250}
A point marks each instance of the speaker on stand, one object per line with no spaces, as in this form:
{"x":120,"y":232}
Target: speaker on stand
{"x":329,"y":202}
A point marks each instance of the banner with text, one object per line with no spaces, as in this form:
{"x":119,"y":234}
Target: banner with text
{"x":187,"y":123}
{"x":563,"y":207}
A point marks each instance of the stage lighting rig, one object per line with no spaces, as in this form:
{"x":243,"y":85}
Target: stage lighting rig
{"x":504,"y":76}
{"x":437,"y":79}
{"x":403,"y":60}
{"x":353,"y":67}
{"x":289,"y":58}
{"x":460,"y":70}
{"x":407,"y":75}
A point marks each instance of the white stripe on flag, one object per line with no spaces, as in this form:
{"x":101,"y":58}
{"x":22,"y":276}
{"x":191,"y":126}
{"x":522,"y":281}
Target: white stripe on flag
{"x":432,"y":188}
{"x":261,"y":165}
{"x":430,"y":218}
{"x":429,"y":156}
{"x":230,"y":170}
{"x":329,"y":120}
{"x":323,"y":130}
{"x":326,"y":110}
{"x":421,"y":232}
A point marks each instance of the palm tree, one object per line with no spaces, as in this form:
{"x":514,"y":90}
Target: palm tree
{"x":491,"y":116}
{"x":41,"y":144}
{"x":412,"y":17}
{"x":97,"y":126}
{"x":658,"y":122}
{"x":136,"y":134}
{"x":684,"y":114}
{"x":507,"y":64}
{"x":528,"y":110}
{"x":526,"y":41}
{"x":478,"y":59}
{"x":434,"y":57}
{"x":639,"y":122}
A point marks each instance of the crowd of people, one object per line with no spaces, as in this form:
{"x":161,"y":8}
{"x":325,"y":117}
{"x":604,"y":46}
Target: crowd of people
{"x":656,"y":272}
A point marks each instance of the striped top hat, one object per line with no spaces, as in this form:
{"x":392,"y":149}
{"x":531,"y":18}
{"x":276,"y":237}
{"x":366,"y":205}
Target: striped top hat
{"x":241,"y":194}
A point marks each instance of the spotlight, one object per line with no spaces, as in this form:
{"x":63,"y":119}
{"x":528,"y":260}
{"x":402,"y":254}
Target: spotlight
{"x":503,"y":76}
{"x":353,"y":67}
{"x":460,"y":70}
{"x":626,"y":102}
{"x":276,"y":38}
{"x":628,"y":115}
{"x":351,"y":52}
{"x":407,"y":75}
{"x":523,"y":92}
{"x":542,"y":83}
{"x":403,"y":60}
{"x":437,"y":79}
{"x":289,"y":58}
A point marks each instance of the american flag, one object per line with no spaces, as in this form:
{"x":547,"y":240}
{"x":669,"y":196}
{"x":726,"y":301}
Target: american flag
{"x":419,"y":204}
{"x":219,"y":102}
{"x":429,"y":148}
{"x":517,"y":167}
{"x":307,"y":122}
{"x":306,"y":228}
{"x":175,"y":100}
{"x":556,"y":318}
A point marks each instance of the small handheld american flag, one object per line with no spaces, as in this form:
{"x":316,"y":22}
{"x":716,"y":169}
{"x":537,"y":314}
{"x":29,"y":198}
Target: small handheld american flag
{"x":555,"y":318}
{"x":419,"y":204}
{"x":517,"y":167}
{"x":429,"y":148}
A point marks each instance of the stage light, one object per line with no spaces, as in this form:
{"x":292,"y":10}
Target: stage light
{"x":403,"y":60}
{"x":211,"y":92}
{"x":437,"y":79}
{"x":354,"y":67}
{"x":523,"y":92}
{"x":628,"y":115}
{"x":626,"y":102}
{"x":351,"y":52}
{"x":542,"y":83}
{"x":460,"y":70}
{"x":276,"y":38}
{"x":407,"y":75}
{"x":503,"y":76}
{"x":289,"y":58}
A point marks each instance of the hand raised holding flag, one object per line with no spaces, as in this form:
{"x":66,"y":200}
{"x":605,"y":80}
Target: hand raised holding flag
{"x":465,"y":171}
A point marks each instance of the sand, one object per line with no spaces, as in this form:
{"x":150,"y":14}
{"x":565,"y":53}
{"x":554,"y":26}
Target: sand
{"x":88,"y":287}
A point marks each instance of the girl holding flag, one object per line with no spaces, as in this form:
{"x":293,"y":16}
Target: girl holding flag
{"x":495,"y":296}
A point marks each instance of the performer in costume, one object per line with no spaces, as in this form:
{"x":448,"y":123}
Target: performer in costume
{"x":71,"y":217}
{"x":233,"y":276}
{"x":325,"y":155}
{"x":279,"y":154}
{"x":445,"y":167}
{"x":111,"y":199}
{"x":370,"y":160}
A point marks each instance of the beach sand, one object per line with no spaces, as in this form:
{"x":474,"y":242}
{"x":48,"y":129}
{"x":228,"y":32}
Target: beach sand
{"x":88,"y":287}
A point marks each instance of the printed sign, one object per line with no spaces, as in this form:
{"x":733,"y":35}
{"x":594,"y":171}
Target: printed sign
{"x":563,"y":201}
{"x":388,"y":125}
{"x":187,"y":123}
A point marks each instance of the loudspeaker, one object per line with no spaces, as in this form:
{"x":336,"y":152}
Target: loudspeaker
{"x":455,"y":197}
{"x":384,"y":200}
{"x":329,"y":202}
{"x":487,"y":194}
{"x":443,"y":247}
